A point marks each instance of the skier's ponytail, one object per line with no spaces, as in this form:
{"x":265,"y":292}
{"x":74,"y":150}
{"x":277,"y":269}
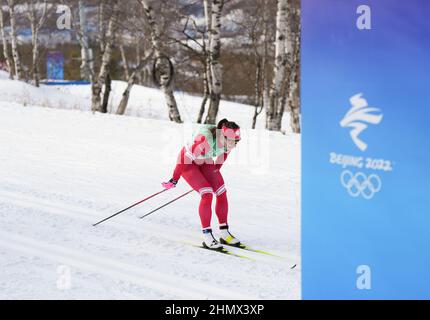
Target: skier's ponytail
{"x":228,"y":124}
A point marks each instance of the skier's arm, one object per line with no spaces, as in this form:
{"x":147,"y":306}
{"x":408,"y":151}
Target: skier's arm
{"x":221,"y":159}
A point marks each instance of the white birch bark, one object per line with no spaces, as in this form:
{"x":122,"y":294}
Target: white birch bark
{"x":19,"y":72}
{"x":280,"y":64}
{"x":87,"y":66}
{"x":289,"y":78}
{"x":124,"y":60}
{"x":162,"y":66}
{"x":36,"y":24}
{"x":101,"y":25}
{"x":9,"y":61}
{"x":98,"y":83}
{"x":131,"y":81}
{"x":266,"y":87}
{"x":215,"y":65}
{"x":294,"y":96}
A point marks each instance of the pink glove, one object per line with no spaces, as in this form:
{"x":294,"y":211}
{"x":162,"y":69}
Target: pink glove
{"x":170,"y":184}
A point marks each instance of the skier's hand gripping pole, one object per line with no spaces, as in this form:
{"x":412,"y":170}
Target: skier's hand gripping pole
{"x":133,"y":205}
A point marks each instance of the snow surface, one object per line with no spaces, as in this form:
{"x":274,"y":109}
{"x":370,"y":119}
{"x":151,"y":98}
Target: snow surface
{"x":63,"y":170}
{"x":144,"y":102}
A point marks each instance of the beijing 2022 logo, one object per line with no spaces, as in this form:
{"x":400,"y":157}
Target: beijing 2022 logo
{"x":354,"y":176}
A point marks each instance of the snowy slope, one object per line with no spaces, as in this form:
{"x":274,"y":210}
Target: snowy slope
{"x":62,"y":170}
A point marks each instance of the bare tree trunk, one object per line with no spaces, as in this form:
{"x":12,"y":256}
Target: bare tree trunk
{"x":215,"y":65}
{"x":280,"y":62}
{"x":35,"y":68}
{"x":107,"y":54}
{"x":265,"y":89}
{"x":290,"y":52}
{"x":36,"y":25}
{"x":138,"y":59}
{"x":15,"y":53}
{"x":131,"y":81}
{"x":162,"y":66}
{"x":206,"y":93}
{"x":124,"y":60}
{"x":101,"y":25}
{"x":207,"y":77}
{"x":207,"y":43}
{"x":294,"y":102}
{"x":294,"y":97}
{"x":9,"y":61}
{"x":106,"y":93}
{"x":87,"y":68}
{"x":257,"y":99}
{"x":281,"y":102}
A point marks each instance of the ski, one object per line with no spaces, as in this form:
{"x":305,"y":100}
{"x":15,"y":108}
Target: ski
{"x":247,"y":248}
{"x":225,"y":251}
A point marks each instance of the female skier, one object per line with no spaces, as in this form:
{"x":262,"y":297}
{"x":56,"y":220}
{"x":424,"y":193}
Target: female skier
{"x":199,"y":163}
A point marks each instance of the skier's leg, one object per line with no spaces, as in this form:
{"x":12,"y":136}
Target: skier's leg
{"x":198,"y":182}
{"x":214,"y":177}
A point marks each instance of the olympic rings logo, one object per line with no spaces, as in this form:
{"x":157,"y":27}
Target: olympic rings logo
{"x":360,"y":184}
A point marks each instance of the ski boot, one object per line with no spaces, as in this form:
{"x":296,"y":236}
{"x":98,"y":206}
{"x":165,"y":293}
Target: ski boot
{"x":209,"y":241}
{"x":227,"y":237}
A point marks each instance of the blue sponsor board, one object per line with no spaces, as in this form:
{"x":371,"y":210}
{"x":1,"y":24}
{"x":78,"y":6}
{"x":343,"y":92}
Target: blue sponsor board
{"x":366,"y":149}
{"x":55,"y":65}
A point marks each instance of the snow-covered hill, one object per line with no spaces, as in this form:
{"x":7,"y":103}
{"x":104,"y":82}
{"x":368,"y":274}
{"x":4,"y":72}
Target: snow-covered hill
{"x":62,"y":170}
{"x":144,"y":102}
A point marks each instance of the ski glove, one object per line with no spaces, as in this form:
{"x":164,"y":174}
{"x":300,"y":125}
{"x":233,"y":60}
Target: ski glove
{"x":170,"y":184}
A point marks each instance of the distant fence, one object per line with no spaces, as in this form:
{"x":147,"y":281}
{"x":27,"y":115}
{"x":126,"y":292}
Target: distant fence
{"x":64,"y":82}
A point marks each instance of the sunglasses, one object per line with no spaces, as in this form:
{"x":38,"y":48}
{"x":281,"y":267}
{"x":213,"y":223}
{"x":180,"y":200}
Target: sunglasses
{"x":232,"y":140}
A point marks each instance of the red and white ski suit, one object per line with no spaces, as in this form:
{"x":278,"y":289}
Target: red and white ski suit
{"x":204,"y":176}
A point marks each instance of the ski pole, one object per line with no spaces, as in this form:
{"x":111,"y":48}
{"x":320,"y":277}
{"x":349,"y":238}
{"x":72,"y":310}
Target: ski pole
{"x":133,"y":205}
{"x":166,"y":204}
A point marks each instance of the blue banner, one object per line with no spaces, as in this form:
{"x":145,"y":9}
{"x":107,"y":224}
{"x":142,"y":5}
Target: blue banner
{"x":366,"y":149}
{"x":55,"y":65}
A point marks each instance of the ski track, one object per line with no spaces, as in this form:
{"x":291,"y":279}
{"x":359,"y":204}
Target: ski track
{"x":112,"y":268}
{"x":184,"y":288}
{"x":149,"y":229}
{"x":52,"y":189}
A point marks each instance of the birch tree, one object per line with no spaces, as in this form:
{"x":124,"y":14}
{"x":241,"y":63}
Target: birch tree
{"x":36,"y":24}
{"x":130,"y":82}
{"x":294,"y":90}
{"x":215,"y":65}
{"x":272,"y":111}
{"x":207,"y":76}
{"x":100,"y":81}
{"x":9,"y":61}
{"x":19,"y":71}
{"x":124,"y":60}
{"x":288,"y":98}
{"x":162,"y":64}
{"x":199,"y":50}
{"x":101,"y":14}
{"x":87,"y":65}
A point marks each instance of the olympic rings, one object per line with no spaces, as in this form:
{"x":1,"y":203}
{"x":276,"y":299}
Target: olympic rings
{"x":360,"y":184}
